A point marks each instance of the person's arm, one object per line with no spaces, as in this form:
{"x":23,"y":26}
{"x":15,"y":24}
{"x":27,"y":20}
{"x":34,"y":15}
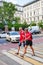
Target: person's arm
{"x":27,"y":38}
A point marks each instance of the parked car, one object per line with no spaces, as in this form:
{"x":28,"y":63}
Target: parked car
{"x":13,"y":36}
{"x":34,"y":29}
{"x":3,"y":34}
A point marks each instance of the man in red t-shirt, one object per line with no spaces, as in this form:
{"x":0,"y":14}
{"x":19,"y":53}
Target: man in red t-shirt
{"x":22,"y":37}
{"x":28,"y":40}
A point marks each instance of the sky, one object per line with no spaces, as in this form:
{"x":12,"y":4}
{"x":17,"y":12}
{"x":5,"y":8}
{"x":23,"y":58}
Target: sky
{"x":20,"y":2}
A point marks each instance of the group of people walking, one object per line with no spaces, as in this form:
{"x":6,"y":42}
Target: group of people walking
{"x":25,"y":39}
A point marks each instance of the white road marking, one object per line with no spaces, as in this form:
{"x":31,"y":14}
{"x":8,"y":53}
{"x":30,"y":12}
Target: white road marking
{"x":36,"y":51}
{"x":20,"y":61}
{"x":33,"y":57}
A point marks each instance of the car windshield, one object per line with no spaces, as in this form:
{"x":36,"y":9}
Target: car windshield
{"x":13,"y":33}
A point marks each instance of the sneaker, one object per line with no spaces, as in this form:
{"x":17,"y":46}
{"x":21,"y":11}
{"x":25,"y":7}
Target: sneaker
{"x":17,"y":53}
{"x":33,"y":54}
{"x":22,"y":56}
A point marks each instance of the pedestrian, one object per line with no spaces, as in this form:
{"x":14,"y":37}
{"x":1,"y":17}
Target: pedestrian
{"x":22,"y":37}
{"x":28,"y":41}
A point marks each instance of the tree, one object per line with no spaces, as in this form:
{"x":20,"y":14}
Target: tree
{"x":7,"y":11}
{"x":17,"y":19}
{"x":40,"y":24}
{"x":25,"y":23}
{"x":32,"y":23}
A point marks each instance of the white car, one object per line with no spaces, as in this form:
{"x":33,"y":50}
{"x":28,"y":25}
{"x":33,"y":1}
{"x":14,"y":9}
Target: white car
{"x":34,"y":29}
{"x":3,"y":35}
{"x":13,"y":36}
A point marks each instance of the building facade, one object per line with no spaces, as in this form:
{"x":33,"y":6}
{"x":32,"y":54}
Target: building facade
{"x":33,"y":11}
{"x":19,"y":12}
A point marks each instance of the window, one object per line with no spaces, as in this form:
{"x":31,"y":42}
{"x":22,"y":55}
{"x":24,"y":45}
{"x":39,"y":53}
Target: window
{"x":42,"y":17}
{"x":30,"y":13}
{"x":42,"y":10}
{"x":30,"y":19}
{"x":34,"y":12}
{"x":38,"y":17}
{"x":34,"y":18}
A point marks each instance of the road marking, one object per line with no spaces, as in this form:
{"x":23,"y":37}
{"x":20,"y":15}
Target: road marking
{"x":34,"y":62}
{"x":33,"y":57}
{"x":3,"y":63}
{"x":20,"y":61}
{"x":29,"y":52}
{"x":36,"y":52}
{"x":37,"y":48}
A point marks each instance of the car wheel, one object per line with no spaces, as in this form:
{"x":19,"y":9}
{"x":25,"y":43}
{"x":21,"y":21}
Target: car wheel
{"x":39,"y":32}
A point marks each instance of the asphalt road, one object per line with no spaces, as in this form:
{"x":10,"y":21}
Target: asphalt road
{"x":3,"y":40}
{"x":5,"y":60}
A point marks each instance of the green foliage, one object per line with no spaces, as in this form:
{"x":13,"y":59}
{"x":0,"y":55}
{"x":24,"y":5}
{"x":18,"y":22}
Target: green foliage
{"x":40,"y":24}
{"x":25,"y":23}
{"x":32,"y":23}
{"x":10,"y":25}
{"x":7,"y":11}
{"x":20,"y":25}
{"x":17,"y":19}
{"x":1,"y":26}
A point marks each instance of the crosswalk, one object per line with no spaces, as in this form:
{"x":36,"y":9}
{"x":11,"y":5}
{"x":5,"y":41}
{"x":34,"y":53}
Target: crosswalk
{"x":28,"y":58}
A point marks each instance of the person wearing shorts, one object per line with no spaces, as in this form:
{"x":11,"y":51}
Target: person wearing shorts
{"x":28,"y":42}
{"x":22,"y":37}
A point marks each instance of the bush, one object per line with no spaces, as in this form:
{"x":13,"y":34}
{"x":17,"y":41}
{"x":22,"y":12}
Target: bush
{"x":40,"y":24}
{"x":33,"y":23}
{"x":2,"y":26}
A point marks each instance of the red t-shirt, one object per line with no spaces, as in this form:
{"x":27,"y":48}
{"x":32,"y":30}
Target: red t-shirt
{"x":28,"y":36}
{"x":22,"y":35}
